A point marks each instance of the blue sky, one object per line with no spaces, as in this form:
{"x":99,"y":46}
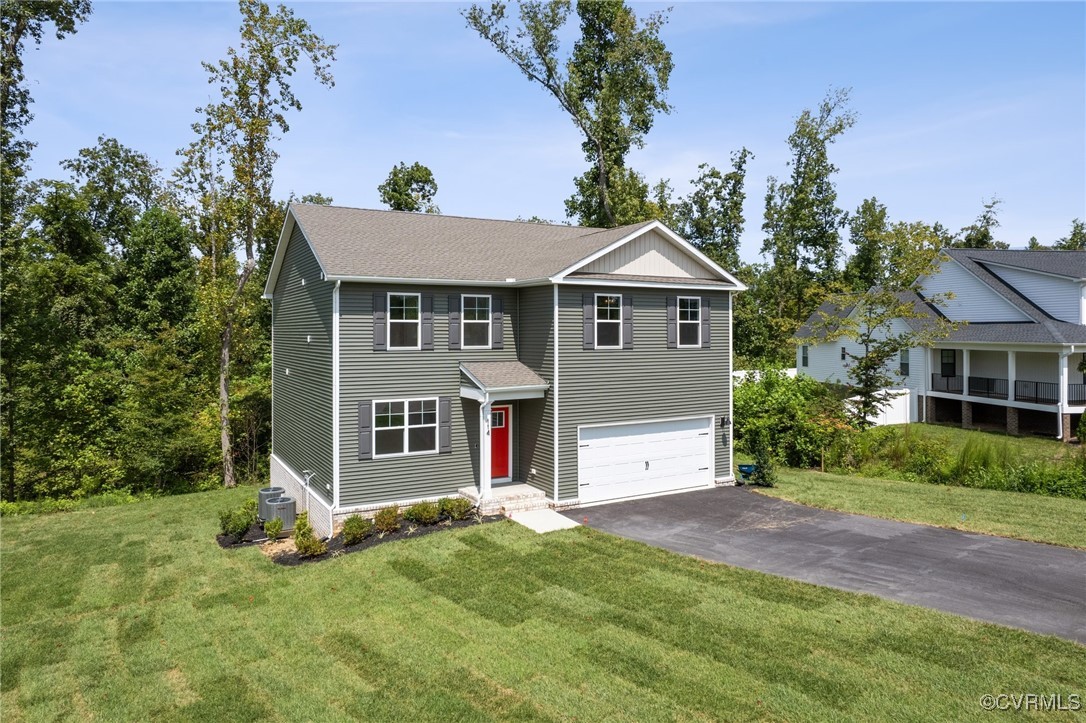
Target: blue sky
{"x":957,"y":102}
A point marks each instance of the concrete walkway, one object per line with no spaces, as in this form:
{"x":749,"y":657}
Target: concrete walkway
{"x":1021,"y":584}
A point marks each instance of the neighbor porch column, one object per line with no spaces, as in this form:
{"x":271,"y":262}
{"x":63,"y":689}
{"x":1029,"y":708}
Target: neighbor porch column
{"x":1012,"y":374}
{"x":967,"y":407}
{"x":1063,"y":423}
{"x":484,"y":451}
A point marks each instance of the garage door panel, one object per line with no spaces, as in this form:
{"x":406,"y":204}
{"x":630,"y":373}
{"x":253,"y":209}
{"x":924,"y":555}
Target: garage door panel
{"x":612,"y":460}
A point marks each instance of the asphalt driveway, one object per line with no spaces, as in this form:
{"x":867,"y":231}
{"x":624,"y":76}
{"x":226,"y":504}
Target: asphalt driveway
{"x":1021,"y":584}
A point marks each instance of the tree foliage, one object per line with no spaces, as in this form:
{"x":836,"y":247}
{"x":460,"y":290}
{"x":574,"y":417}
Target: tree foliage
{"x":1075,"y":240}
{"x":979,"y":234}
{"x":611,"y":84}
{"x":410,"y":188}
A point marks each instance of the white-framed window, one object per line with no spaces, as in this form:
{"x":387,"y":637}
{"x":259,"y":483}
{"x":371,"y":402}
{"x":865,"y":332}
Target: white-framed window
{"x":608,"y":321}
{"x":475,"y":322}
{"x":404,"y":314}
{"x":803,"y":357}
{"x":689,"y":321}
{"x":404,"y":426}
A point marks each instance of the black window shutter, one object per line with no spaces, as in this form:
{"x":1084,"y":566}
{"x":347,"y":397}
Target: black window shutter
{"x":365,"y":430}
{"x":589,"y":303}
{"x":627,"y":321}
{"x":672,"y":322}
{"x":427,"y":317}
{"x":497,"y":314}
{"x":444,"y":425}
{"x":380,"y":336}
{"x":705,"y":325}
{"x":454,"y":322}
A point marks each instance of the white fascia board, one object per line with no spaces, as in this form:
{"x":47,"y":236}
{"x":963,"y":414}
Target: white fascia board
{"x":472,"y":393}
{"x":289,"y":222}
{"x":437,"y":282}
{"x":576,"y":281}
{"x":502,"y":394}
{"x":1000,"y":346}
{"x":679,"y":241}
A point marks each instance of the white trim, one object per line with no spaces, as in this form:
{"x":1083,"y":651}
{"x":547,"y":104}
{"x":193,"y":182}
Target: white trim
{"x":668,"y":234}
{"x":508,"y":411}
{"x":554,"y":461}
{"x":289,"y":222}
{"x":731,"y":391}
{"x":503,"y":395}
{"x":542,"y":281}
{"x":335,"y":395}
{"x":654,"y":420}
{"x":489,"y":316}
{"x":388,"y":321}
{"x":406,"y":426}
{"x":596,"y":321}
{"x":299,"y":480}
{"x":679,"y":323}
{"x":575,"y":281}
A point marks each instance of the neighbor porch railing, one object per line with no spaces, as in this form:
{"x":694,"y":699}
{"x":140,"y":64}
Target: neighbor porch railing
{"x":950,"y":385}
{"x":988,"y":387}
{"x":1076,"y":394}
{"x":1036,"y":392}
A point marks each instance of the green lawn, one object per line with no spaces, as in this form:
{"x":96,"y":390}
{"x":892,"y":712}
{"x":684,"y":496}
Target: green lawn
{"x":1056,"y":520}
{"x":133,"y":613}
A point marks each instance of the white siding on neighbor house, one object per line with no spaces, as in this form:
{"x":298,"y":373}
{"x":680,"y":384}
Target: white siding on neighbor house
{"x":649,"y":255}
{"x":1036,"y":366}
{"x":1060,"y":298}
{"x":992,"y":364}
{"x":825,"y":365}
{"x":973,"y":299}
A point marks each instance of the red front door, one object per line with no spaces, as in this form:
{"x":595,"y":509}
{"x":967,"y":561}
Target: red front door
{"x":499,"y":442}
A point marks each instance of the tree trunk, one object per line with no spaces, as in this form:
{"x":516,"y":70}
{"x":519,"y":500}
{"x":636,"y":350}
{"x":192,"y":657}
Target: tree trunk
{"x":224,"y":404}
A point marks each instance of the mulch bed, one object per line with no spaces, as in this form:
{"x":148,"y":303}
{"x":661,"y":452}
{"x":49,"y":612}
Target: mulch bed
{"x":283,"y":552}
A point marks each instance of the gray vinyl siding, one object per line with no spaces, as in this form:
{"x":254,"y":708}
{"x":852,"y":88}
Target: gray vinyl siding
{"x":302,"y":343}
{"x":535,"y":434}
{"x":648,"y":382}
{"x":366,"y":374}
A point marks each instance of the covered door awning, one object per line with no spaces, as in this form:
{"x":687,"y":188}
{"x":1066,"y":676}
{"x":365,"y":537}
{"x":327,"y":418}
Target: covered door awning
{"x":491,"y":381}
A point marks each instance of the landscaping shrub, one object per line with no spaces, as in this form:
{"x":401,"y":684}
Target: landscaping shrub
{"x":387,"y":520}
{"x":272,"y":528}
{"x":235,"y":523}
{"x":455,"y":508}
{"x":356,"y":529}
{"x":422,"y":513}
{"x":304,"y":540}
{"x":765,"y":474}
{"x":797,"y":417}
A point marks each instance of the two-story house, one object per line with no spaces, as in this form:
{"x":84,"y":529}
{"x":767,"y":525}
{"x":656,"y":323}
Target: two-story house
{"x":414,"y":355}
{"x":1013,"y":361}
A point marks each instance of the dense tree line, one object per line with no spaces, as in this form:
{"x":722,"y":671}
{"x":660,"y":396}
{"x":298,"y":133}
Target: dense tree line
{"x":135,"y":345}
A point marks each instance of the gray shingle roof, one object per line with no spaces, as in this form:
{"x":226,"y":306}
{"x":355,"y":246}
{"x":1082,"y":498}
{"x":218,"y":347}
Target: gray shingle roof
{"x":1070,"y":264}
{"x":1041,"y":329}
{"x":354,"y":242}
{"x":503,"y":375}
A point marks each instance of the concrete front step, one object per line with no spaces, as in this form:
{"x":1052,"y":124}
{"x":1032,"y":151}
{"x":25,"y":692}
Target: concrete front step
{"x":507,"y":499}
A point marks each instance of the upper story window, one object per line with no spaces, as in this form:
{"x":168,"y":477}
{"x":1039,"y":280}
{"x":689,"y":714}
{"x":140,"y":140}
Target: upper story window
{"x":803,"y":358}
{"x":844,"y":354}
{"x":903,"y":362}
{"x":405,"y":427}
{"x":403,"y":321}
{"x":689,"y":321}
{"x":475,"y":326}
{"x":608,"y":321}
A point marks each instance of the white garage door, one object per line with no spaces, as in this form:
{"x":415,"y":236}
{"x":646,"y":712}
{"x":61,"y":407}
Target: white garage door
{"x":626,"y":460}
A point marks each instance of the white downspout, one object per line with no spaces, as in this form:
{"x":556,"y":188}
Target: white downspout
{"x":484,"y":448}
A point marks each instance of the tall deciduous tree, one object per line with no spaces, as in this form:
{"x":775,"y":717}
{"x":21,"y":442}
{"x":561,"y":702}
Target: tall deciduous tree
{"x":410,"y":188}
{"x":228,"y":169}
{"x":22,"y":22}
{"x":978,"y":235}
{"x":611,"y":84}
{"x":802,"y":221}
{"x":1074,"y":241}
{"x":867,"y":232}
{"x":711,"y":216}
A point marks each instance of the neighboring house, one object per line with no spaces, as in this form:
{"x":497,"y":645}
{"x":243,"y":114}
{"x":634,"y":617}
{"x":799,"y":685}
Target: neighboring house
{"x":1015,"y":360}
{"x":416,"y":354}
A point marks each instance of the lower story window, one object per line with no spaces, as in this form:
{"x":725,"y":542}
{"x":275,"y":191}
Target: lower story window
{"x":803,"y":356}
{"x":405,"y":427}
{"x":903,"y":363}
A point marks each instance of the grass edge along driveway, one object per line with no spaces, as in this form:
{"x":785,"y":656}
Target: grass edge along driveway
{"x":1018,"y":515}
{"x":133,"y":612}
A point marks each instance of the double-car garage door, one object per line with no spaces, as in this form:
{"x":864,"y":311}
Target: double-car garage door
{"x":644,"y":458}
